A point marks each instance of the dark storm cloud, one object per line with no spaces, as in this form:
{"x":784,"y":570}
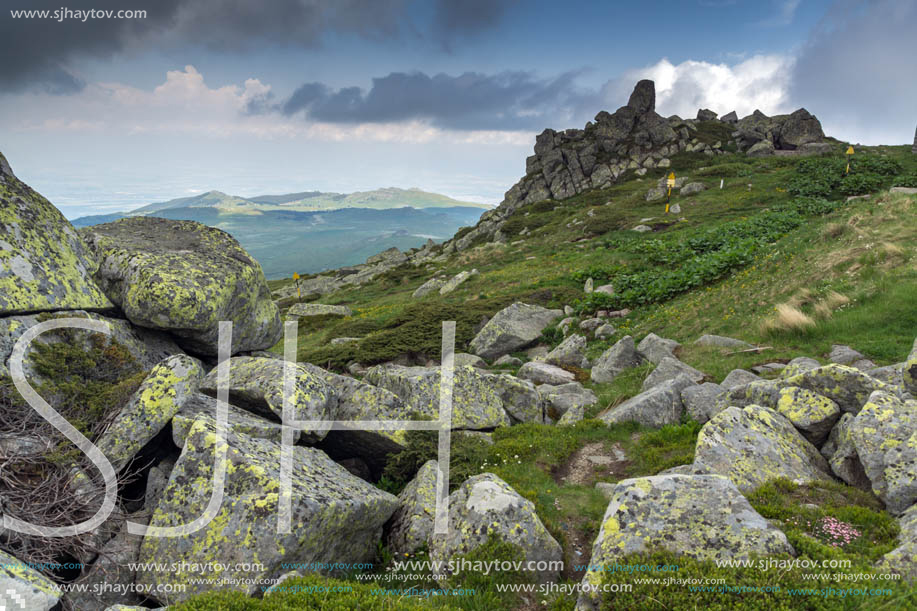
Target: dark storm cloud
{"x":856,"y":72}
{"x":46,"y":53}
{"x":505,"y":101}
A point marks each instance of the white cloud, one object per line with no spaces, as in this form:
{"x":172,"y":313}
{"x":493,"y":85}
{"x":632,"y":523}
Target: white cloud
{"x":759,"y":82}
{"x":786,"y":13}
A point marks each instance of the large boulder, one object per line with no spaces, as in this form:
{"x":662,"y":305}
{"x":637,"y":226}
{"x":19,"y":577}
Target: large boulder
{"x":257,"y":384}
{"x":738,"y":377}
{"x":559,"y":400}
{"x":22,"y":585}
{"x":475,"y":401}
{"x":670,"y":368}
{"x":656,"y":407}
{"x":762,"y":392}
{"x":812,"y":414}
{"x":903,"y":559}
{"x":44,"y":264}
{"x":699,"y":516}
{"x":846,"y":386}
{"x":654,"y":348}
{"x":753,"y":445}
{"x":543,"y":373}
{"x":842,"y":456}
{"x":335,"y":517}
{"x":885,"y":435}
{"x":511,"y":329}
{"x":185,"y":278}
{"x":643,"y":98}
{"x":239,"y":420}
{"x":623,"y":355}
{"x":485,"y":505}
{"x":151,"y":408}
{"x":521,"y":400}
{"x":800,"y":127}
{"x":411,"y":525}
{"x":699,"y":400}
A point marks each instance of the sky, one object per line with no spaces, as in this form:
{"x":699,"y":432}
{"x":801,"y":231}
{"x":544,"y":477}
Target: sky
{"x":105,"y":114}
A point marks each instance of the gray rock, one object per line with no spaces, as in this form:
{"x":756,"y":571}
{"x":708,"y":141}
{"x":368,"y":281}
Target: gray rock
{"x":256,"y":384}
{"x":730,"y":117}
{"x":412,"y":523}
{"x":668,"y":369}
{"x":706,"y":115}
{"x":392,"y":255}
{"x":883,"y":433}
{"x":722,"y":342}
{"x":755,"y":444}
{"x":700,"y":399}
{"x":764,"y":148}
{"x":799,"y":365}
{"x":521,"y":400}
{"x":909,"y":371}
{"x":44,"y":264}
{"x":841,"y":453}
{"x":454,"y":282}
{"x":150,"y":409}
{"x":890,"y":374}
{"x":587,"y":288}
{"x":463,"y":358}
{"x":799,"y":128}
{"x":156,"y":481}
{"x":642,"y":228}
{"x":559,"y":400}
{"x":864,"y":365}
{"x":208,"y":278}
{"x":654,"y":194}
{"x":655,"y":407}
{"x":543,"y":373}
{"x":654,"y":348}
{"x":848,"y":387}
{"x":903,"y":559}
{"x":704,"y":517}
{"x":605,"y":331}
{"x":485,"y":505}
{"x":590,"y":324}
{"x":569,"y":353}
{"x":475,"y":401}
{"x":904,"y":190}
{"x":335,"y":517}
{"x":433,"y":284}
{"x":623,"y":355}
{"x":507,"y":361}
{"x":34,"y":590}
{"x":843,"y":355}
{"x":302,"y":310}
{"x":643,"y":98}
{"x":812,"y":414}
{"x":511,"y":329}
{"x":738,"y":377}
{"x":337,"y":341}
{"x":768,"y":367}
{"x":241,"y":421}
{"x":692,"y":187}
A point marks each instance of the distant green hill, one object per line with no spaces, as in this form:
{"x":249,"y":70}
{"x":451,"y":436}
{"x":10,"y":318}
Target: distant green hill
{"x":310,"y":201}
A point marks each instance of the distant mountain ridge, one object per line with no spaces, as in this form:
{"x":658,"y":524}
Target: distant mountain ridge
{"x":309,"y":201}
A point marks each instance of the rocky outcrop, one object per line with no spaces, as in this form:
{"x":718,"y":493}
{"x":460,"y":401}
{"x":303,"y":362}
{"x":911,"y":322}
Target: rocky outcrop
{"x":185,"y":278}
{"x":699,"y":516}
{"x":512,"y":328}
{"x":656,"y":407}
{"x":23,"y":585}
{"x":44,"y":263}
{"x":485,"y":505}
{"x":335,"y":517}
{"x":411,"y":526}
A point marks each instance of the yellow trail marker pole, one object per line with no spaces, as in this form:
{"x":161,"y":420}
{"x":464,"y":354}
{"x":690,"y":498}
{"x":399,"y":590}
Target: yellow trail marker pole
{"x":670,"y":182}
{"x":298,"y":288}
{"x":849,"y":157}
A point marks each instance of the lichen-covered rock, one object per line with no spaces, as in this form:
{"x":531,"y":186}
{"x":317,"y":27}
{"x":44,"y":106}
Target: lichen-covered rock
{"x":455,"y":281}
{"x":909,"y":371}
{"x":433,"y":284}
{"x":507,"y":361}
{"x":240,"y":421}
{"x":485,"y":505}
{"x":569,"y":353}
{"x":846,"y":386}
{"x":764,"y":393}
{"x":670,"y":368}
{"x":34,"y":590}
{"x":654,"y":348}
{"x":520,"y":398}
{"x":185,"y":278}
{"x":738,"y":377}
{"x":512,"y":328}
{"x":560,"y":399}
{"x":335,"y":517}
{"x":463,"y":358}
{"x":623,"y":355}
{"x":169,"y":385}
{"x":903,"y":559}
{"x":884,"y":433}
{"x":303,"y":310}
{"x":475,"y":401}
{"x":145,"y":346}
{"x":812,"y":414}
{"x":799,"y":365}
{"x":543,"y":373}
{"x":44,"y":264}
{"x":256,"y":384}
{"x":412,"y":524}
{"x":890,"y":374}
{"x":699,"y":516}
{"x":755,"y":444}
{"x":656,"y":407}
{"x":841,"y":453}
{"x":699,"y":400}
{"x":843,"y":355}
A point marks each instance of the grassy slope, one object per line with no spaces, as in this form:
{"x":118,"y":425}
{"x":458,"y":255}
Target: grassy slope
{"x":864,"y":251}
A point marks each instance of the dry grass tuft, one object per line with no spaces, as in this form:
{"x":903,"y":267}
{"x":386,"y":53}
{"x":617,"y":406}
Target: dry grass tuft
{"x":788,"y":318}
{"x":834,"y":230}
